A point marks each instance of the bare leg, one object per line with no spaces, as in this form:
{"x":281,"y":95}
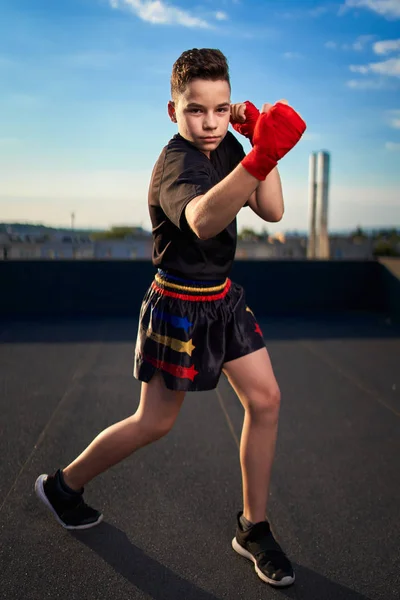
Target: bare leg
{"x":154,"y":417}
{"x":253,"y":380}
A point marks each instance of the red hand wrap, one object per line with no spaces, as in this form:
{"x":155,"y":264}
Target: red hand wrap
{"x":247,"y":128}
{"x":276,"y":132}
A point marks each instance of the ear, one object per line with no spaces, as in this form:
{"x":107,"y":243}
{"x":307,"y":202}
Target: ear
{"x":171,"y":111}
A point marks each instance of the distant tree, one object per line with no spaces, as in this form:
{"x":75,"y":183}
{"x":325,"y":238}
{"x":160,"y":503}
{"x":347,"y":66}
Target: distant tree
{"x":115,"y":233}
{"x":391,"y":235}
{"x":385,"y":248}
{"x":359,"y":234}
{"x":248,"y":235}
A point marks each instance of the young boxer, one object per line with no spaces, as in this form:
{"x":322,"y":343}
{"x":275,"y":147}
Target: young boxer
{"x":194,"y":322}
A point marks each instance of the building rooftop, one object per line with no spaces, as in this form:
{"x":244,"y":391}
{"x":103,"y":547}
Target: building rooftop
{"x":170,"y":509}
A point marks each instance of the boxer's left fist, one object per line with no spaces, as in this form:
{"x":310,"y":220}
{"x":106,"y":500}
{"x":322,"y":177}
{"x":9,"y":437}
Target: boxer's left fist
{"x":244,"y":118}
{"x":277,"y":131}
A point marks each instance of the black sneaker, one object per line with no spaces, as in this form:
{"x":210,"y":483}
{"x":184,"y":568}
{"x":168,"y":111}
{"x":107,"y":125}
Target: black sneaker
{"x":68,"y":507}
{"x":259,"y":545}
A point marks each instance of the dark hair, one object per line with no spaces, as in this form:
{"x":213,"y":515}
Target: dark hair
{"x":203,"y":63}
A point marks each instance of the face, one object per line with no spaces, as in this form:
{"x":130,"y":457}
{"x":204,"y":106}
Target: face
{"x":202,"y":112}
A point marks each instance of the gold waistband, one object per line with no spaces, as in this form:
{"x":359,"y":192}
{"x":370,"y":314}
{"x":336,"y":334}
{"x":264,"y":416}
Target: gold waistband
{"x":187,"y":288}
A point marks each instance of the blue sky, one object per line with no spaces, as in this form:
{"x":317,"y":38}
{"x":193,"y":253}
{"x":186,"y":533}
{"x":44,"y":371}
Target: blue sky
{"x":85,"y":84}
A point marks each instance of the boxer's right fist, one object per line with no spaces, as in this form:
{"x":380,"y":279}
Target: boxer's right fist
{"x":244,"y":118}
{"x":278,"y":129}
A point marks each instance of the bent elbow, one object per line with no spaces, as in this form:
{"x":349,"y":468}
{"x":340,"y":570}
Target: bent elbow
{"x":202,"y":233}
{"x":197,"y":223}
{"x":276,"y":217}
{"x":201,"y":230}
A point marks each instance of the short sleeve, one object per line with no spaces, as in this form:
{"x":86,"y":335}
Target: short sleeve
{"x":185,"y":176}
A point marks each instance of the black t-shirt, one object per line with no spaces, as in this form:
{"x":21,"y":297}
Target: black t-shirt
{"x":182,"y":173}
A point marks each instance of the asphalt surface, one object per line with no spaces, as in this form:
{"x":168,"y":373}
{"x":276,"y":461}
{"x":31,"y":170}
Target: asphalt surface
{"x":170,"y":509}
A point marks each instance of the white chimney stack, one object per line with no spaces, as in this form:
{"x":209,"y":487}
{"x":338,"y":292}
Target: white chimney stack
{"x":318,"y":241}
{"x":312,"y":201}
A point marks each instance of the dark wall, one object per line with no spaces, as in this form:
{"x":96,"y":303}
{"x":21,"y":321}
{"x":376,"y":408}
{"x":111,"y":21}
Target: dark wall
{"x":391,"y":286}
{"x":50,"y":288}
{"x":309,"y":286}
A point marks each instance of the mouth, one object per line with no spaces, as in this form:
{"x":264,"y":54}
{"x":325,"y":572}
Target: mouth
{"x":210,"y":138}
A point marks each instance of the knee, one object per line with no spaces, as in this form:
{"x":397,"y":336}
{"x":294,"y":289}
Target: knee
{"x":156,"y":429}
{"x":264,"y":402}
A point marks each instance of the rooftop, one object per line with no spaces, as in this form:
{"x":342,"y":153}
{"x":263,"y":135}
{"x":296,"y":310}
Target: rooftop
{"x":170,"y":509}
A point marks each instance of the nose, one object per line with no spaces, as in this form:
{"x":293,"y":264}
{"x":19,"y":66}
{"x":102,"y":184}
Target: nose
{"x":210,"y":121}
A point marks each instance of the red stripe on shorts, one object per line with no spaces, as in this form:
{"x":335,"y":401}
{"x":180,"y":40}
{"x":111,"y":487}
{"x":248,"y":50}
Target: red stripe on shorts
{"x":164,"y":292}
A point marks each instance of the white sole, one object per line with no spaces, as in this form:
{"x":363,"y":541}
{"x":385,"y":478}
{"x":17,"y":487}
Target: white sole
{"x":42,"y":496}
{"x":282,"y":583}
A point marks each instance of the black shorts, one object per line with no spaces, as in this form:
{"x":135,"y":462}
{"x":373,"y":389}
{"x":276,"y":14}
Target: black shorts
{"x":189,"y":329}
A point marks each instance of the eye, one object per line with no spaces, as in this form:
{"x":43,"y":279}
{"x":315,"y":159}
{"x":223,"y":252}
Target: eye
{"x":223,"y":109}
{"x":195,"y":111}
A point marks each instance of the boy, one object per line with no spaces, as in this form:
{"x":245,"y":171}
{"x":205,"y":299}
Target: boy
{"x":194,"y":321}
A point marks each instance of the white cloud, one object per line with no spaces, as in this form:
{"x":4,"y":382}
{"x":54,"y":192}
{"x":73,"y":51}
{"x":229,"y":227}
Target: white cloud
{"x":299,"y":13}
{"x":393,"y":146}
{"x":359,"y":69}
{"x":390,"y":67}
{"x":291,"y":55}
{"x":387,"y":8}
{"x":221,"y":16}
{"x":386,"y":46}
{"x":367,"y":84}
{"x":159,"y":12}
{"x":318,"y":11}
{"x":394,"y":118}
{"x":358,"y":45}
{"x":361,"y":41}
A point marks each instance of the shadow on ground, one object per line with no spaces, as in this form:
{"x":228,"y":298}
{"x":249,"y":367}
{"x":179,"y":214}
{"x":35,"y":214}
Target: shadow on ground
{"x":153,"y":578}
{"x":144,"y":572}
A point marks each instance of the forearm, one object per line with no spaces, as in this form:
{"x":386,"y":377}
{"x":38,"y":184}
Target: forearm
{"x":268,"y":199}
{"x":276,"y":131}
{"x":210,"y":214}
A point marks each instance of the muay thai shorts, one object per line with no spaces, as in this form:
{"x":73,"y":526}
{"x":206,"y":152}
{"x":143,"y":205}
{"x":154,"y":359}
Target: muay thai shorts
{"x":189,"y":329}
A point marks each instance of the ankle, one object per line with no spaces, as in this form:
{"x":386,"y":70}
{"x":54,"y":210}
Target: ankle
{"x":69,"y":482}
{"x":253,"y":517}
{"x":245,"y":523}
